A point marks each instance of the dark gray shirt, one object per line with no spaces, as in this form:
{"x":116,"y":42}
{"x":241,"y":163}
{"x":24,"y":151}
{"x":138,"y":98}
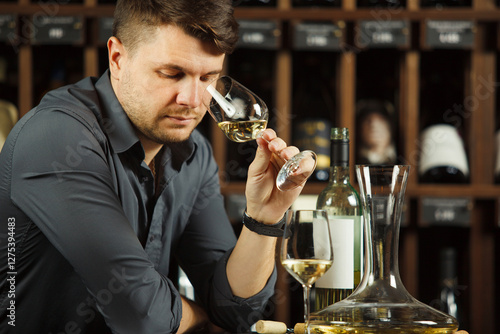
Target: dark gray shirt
{"x":85,"y":240}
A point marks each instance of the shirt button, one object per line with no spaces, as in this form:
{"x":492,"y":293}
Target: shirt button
{"x":151,"y":238}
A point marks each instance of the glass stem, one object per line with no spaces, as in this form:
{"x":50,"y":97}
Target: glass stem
{"x":291,"y":173}
{"x":306,"y":289}
{"x":259,"y":135}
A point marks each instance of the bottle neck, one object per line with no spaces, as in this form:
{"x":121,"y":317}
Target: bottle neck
{"x":339,"y":163}
{"x":339,"y":174}
{"x":382,"y":193}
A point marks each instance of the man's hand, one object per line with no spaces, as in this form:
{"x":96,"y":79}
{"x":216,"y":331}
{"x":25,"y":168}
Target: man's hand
{"x":265,"y":202}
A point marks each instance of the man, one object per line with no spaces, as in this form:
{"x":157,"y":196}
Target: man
{"x":107,"y":181}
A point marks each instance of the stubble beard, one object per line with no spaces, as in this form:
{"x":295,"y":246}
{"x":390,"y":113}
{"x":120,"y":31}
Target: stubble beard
{"x":149,"y":127}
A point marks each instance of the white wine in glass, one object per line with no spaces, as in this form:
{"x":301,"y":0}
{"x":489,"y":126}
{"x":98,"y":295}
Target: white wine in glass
{"x":306,"y":249}
{"x":243,"y":131}
{"x":306,"y":271}
{"x":243,"y":116}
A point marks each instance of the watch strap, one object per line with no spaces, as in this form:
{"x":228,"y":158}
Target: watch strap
{"x":274,"y":230}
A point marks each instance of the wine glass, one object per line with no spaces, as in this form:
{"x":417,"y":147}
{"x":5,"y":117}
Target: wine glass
{"x":306,"y":249}
{"x":243,"y":116}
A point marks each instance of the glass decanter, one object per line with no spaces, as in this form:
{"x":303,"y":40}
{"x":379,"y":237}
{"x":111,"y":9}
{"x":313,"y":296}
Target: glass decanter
{"x":381,"y":304}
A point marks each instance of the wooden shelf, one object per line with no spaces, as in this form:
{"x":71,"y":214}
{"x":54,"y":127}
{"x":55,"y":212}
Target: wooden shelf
{"x":335,"y":14}
{"x":478,"y":192}
{"x":52,"y":9}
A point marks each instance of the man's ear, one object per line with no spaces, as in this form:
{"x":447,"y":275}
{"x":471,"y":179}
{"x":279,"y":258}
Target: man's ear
{"x":116,"y":54}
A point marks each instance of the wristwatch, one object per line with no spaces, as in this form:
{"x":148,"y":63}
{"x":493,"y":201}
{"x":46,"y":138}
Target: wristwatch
{"x":275,"y":230}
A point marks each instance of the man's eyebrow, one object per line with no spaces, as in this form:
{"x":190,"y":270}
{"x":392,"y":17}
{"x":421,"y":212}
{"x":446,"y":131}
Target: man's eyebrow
{"x":182,"y":69}
{"x":171,"y":66}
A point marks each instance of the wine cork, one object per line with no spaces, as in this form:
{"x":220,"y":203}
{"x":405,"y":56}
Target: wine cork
{"x":299,"y":328}
{"x":268,"y":327}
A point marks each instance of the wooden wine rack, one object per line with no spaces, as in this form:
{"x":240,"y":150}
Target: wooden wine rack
{"x":477,"y":242}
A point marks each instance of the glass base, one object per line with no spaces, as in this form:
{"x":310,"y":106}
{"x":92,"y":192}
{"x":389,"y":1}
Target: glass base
{"x":392,"y":329}
{"x":409,"y":316}
{"x":296,"y":171}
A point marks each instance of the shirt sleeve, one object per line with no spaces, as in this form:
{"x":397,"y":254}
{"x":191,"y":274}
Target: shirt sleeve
{"x":63,"y":183}
{"x":203,"y":253}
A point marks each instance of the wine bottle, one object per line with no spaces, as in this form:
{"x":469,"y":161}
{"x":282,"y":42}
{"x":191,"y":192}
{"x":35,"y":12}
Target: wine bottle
{"x":314,"y":134}
{"x":342,"y":203}
{"x":446,"y":300}
{"x":314,"y":104}
{"x":375,"y":133}
{"x":442,"y":158}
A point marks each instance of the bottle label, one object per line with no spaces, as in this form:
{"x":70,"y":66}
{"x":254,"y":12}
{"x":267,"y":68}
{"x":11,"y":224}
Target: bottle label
{"x":341,"y":273}
{"x":442,"y":146}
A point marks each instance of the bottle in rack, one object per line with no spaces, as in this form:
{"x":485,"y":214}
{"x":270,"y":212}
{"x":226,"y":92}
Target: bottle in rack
{"x":375,"y":132}
{"x":314,"y":105}
{"x":343,"y":205}
{"x":442,"y":158}
{"x":446,"y":300}
{"x":314,"y":134}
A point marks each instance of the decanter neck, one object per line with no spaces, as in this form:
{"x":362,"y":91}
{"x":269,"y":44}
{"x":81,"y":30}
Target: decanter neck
{"x":382,"y":192}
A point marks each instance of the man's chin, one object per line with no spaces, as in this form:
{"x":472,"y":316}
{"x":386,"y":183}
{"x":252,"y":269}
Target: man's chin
{"x":175,"y":136}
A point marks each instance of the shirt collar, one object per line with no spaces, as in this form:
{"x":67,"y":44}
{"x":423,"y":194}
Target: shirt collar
{"x":121,"y":132}
{"x":114,"y":119}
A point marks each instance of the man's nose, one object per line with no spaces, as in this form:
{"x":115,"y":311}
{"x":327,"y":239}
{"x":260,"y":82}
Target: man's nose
{"x":190,"y":93}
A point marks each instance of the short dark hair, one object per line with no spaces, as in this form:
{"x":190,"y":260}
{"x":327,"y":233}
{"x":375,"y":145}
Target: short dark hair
{"x":210,"y":21}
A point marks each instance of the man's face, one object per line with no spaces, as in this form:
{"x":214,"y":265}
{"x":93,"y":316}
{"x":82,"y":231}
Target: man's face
{"x":161,"y":85}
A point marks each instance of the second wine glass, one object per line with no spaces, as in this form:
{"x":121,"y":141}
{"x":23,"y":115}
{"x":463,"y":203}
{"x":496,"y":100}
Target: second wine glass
{"x":306,"y":249}
{"x":243,"y":116}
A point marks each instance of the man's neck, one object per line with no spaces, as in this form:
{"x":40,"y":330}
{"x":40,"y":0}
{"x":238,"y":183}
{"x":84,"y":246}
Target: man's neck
{"x":151,"y":149}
